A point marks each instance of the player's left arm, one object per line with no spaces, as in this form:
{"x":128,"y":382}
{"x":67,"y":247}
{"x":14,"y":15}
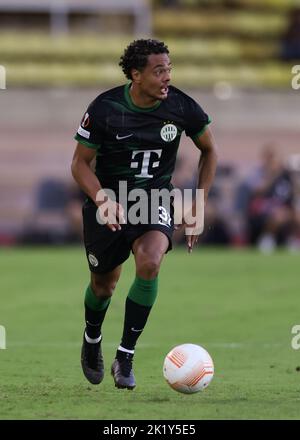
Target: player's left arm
{"x":206,"y":143}
{"x":208,"y":160}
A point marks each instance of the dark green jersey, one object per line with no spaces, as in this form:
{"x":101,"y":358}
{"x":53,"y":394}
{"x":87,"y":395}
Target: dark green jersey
{"x":138,"y":145}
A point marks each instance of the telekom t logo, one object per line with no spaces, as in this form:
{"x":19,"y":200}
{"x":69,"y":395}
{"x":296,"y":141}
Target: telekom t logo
{"x":2,"y":338}
{"x":145,"y":162}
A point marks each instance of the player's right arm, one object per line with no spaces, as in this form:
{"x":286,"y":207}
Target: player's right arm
{"x":89,"y":183}
{"x":82,"y":173}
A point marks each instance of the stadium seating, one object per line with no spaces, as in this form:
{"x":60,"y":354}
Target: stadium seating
{"x":231,"y":40}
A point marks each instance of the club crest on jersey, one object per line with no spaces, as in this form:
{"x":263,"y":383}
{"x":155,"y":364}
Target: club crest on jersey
{"x":169,"y":132}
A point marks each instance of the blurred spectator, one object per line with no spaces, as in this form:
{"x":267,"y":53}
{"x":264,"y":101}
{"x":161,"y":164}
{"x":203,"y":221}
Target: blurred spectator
{"x":268,"y":196}
{"x":56,"y":218}
{"x":216,"y":228}
{"x":216,"y":231}
{"x":74,"y":212}
{"x":185,"y":175}
{"x":266,"y":206}
{"x":169,"y":3}
{"x":290,"y":49}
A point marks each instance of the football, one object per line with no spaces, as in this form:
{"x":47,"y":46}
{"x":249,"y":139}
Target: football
{"x":188,"y":368}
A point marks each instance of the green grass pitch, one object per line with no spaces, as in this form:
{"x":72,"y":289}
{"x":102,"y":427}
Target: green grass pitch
{"x":240,"y":305}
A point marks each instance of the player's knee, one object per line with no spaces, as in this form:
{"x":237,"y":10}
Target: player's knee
{"x":148,"y":265}
{"x":103,"y":289}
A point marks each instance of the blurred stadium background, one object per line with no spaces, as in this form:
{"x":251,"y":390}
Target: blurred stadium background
{"x":234,"y":56}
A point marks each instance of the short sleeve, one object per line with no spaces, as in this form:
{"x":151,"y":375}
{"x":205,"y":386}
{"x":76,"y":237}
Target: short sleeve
{"x":196,"y":119}
{"x":90,"y":132}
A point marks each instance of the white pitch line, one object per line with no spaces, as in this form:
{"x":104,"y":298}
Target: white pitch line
{"x":226,"y":345}
{"x":67,"y":344}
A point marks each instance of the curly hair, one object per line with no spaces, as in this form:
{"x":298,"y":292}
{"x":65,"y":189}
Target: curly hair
{"x":136,"y":54}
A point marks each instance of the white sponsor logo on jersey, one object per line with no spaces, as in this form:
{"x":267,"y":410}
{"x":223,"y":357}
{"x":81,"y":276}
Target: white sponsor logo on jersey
{"x":144,"y":171}
{"x":119,"y":138}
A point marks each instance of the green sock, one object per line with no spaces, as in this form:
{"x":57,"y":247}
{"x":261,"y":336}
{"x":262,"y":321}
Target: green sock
{"x":143,"y":292}
{"x":95,"y":310}
{"x":139,"y":302}
{"x":93,"y":302}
